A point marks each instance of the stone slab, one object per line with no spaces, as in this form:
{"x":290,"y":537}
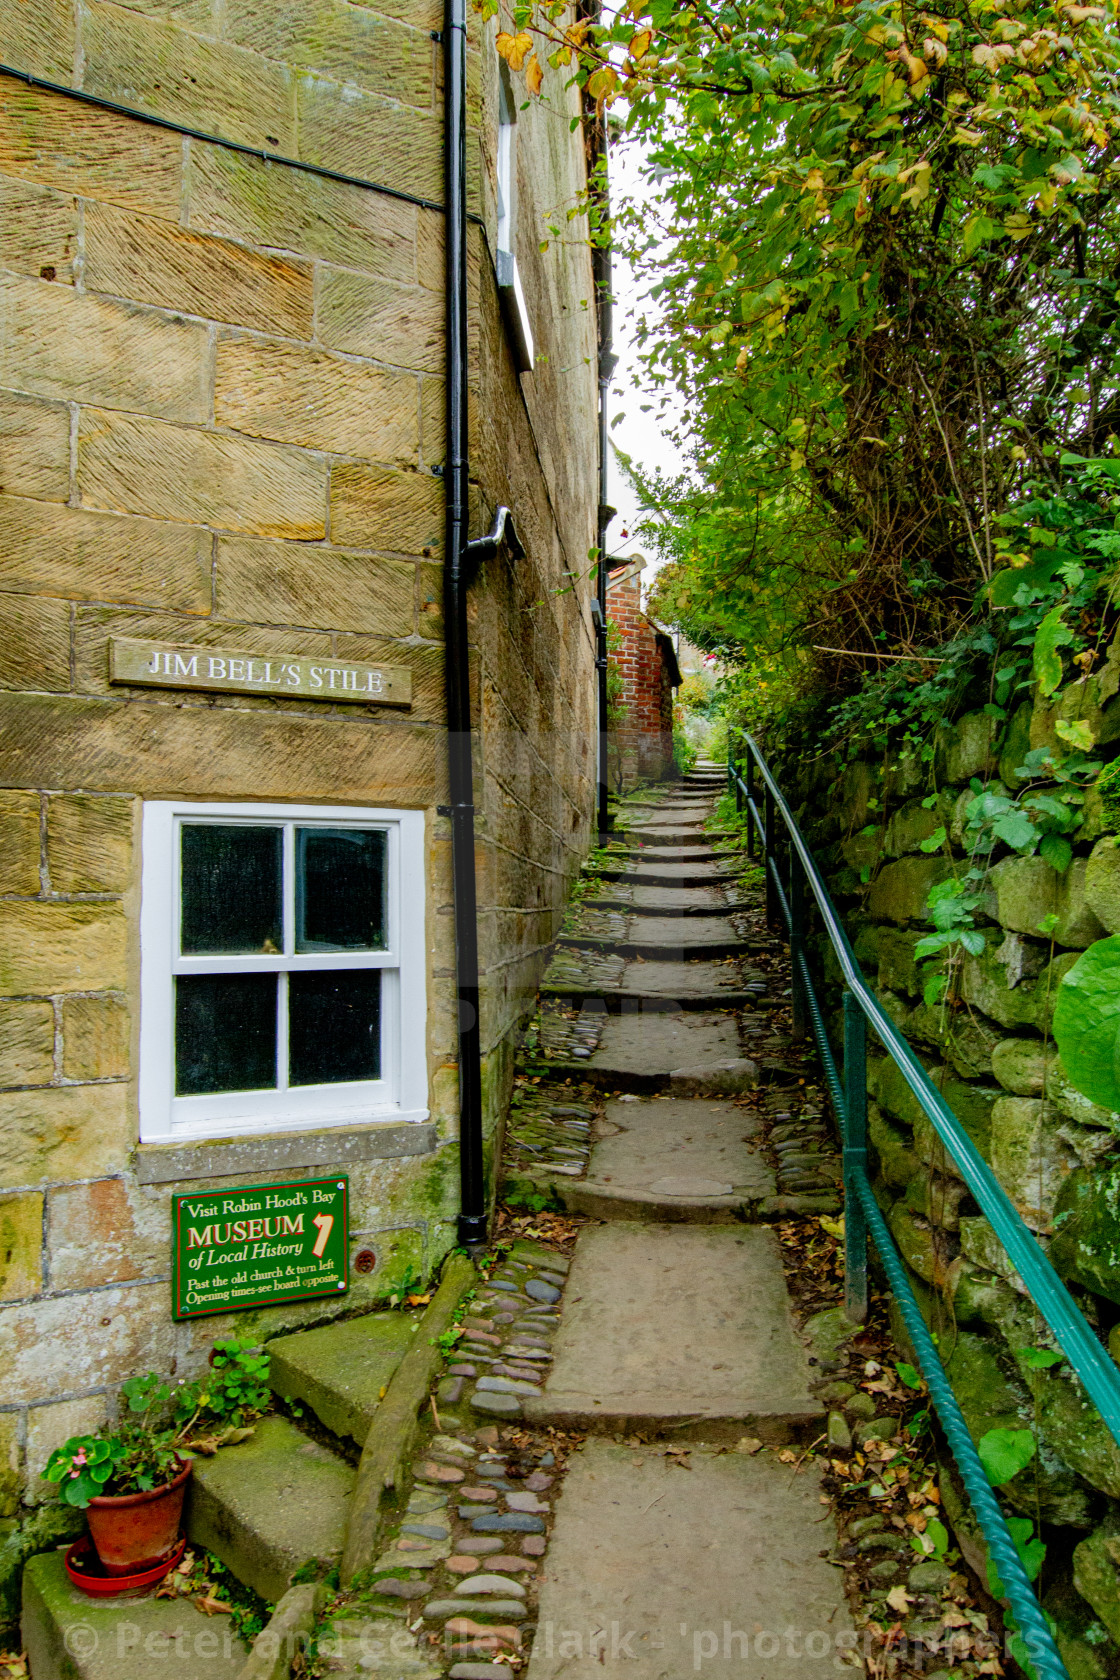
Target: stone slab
{"x":69,"y":1636}
{"x":708,"y":1570}
{"x":679,"y":1326}
{"x":653,"y":1047}
{"x":158,"y":1163}
{"x":676,"y":1150}
{"x":342,"y":1370}
{"x":684,"y":933}
{"x":269,"y":1505}
{"x":686,"y":901}
{"x":679,"y":979}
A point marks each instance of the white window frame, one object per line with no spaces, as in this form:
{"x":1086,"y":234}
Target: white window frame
{"x":402,"y":1091}
{"x":510,"y":292}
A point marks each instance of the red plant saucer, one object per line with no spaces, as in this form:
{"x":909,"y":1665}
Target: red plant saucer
{"x":85,"y":1570}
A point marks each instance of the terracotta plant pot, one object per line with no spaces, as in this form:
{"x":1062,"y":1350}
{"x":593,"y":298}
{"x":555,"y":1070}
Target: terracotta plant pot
{"x":85,"y":1569}
{"x":134,"y":1531}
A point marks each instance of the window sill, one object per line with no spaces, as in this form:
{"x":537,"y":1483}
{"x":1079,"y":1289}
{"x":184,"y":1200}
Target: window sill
{"x":174,"y":1161}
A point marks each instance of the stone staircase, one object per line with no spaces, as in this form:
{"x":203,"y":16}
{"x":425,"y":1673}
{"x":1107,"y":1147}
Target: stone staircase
{"x":270,"y":1508}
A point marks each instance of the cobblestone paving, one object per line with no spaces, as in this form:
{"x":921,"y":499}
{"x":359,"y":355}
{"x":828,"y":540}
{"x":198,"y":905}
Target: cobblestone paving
{"x":583,"y":970}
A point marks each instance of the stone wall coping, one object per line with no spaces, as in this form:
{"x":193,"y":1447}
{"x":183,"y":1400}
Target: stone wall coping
{"x":338,"y":1146}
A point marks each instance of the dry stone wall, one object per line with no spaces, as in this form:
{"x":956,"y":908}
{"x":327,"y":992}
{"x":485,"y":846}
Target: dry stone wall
{"x":990,"y":1051}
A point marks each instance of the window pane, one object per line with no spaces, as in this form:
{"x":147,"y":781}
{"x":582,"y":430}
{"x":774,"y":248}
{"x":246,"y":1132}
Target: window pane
{"x":231,"y":889}
{"x":340,"y":889}
{"x":225,"y":1033}
{"x":334,"y":1026}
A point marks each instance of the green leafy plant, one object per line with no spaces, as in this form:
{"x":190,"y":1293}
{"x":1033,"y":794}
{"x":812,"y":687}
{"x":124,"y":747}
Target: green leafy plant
{"x":139,"y":1455}
{"x":1030,"y":1547}
{"x":1004,"y":1452}
{"x":1040,"y":1359}
{"x":908,"y":1374}
{"x":1087,"y":1022}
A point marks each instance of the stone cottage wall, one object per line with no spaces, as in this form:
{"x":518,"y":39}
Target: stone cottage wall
{"x":990,"y":1052}
{"x":221,"y":423}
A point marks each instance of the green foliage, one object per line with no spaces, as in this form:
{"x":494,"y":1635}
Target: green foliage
{"x":1030,"y":1547}
{"x":1004,"y":1452}
{"x":1040,"y":1358}
{"x":907,"y":1374}
{"x":1087,"y":1023}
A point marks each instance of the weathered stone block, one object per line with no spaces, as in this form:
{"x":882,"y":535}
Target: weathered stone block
{"x":966,"y":748}
{"x":49,"y":1427}
{"x":1078,"y":702}
{"x":898,"y":1161}
{"x":35,"y":651}
{"x":1071,"y":1102}
{"x":34,"y":441}
{"x":51,"y":947}
{"x":38,"y":230}
{"x":425,"y":663}
{"x":1028,"y":1003}
{"x":47,"y":1348}
{"x":433,"y":422}
{"x":144,"y":258}
{"x":1082,"y":1641}
{"x":1102,"y":883}
{"x":962,"y":1036}
{"x":327,"y":588}
{"x":429,"y":621}
{"x":208,"y":84}
{"x":972,"y":1105}
{"x":375,"y":507}
{"x":19,"y":841}
{"x":76,"y":148}
{"x":1028,"y":891}
{"x":1016,"y":745}
{"x":926,"y":1251}
{"x":21,"y":1245}
{"x":1029,"y":1158}
{"x":980,"y":1244}
{"x":133,"y":465}
{"x":26,"y":1041}
{"x":342,"y":1370}
{"x":102,"y":1233}
{"x":936,"y":1198}
{"x":89,"y":843}
{"x":11,"y":1481}
{"x":1086,"y":1243}
{"x":1021,"y":1064}
{"x":56,"y":342}
{"x":95,"y":1037}
{"x":207,"y":753}
{"x":67,"y":552}
{"x":900,"y":891}
{"x":291,"y":211}
{"x":301,"y":396}
{"x":369,"y":317}
{"x":863,"y":850}
{"x":346,"y":42}
{"x":912,"y":823}
{"x":360,"y":133}
{"x":1096,"y":1574}
{"x":39,"y":36}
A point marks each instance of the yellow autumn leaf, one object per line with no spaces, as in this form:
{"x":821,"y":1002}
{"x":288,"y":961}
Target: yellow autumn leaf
{"x":814,"y":181}
{"x":796,"y":460}
{"x":534,"y":75}
{"x":640,"y":44}
{"x":514,"y":48}
{"x":935,"y":51}
{"x":916,"y":68}
{"x":602,"y":82}
{"x":742,"y":359}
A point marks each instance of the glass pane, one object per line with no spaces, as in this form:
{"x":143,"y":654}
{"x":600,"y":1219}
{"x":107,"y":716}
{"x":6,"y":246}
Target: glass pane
{"x":334,"y":1026}
{"x":340,"y":889}
{"x":225,"y":1033}
{"x":231,"y":889}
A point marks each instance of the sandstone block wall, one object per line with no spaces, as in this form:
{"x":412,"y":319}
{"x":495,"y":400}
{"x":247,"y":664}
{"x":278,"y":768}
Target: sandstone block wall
{"x":221,"y":423}
{"x":990,"y":1051}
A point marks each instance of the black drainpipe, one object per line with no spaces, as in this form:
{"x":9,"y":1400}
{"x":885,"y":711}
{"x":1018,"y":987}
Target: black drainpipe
{"x":461,"y":559}
{"x":601,"y":270}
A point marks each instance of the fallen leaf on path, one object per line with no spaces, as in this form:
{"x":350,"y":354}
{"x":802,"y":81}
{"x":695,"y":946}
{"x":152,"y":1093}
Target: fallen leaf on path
{"x":899,"y":1599}
{"x":212,"y":1606}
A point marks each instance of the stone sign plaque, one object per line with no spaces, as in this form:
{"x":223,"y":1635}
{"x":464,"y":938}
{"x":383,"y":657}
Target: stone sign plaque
{"x":258,"y":1246}
{"x":288,"y":676}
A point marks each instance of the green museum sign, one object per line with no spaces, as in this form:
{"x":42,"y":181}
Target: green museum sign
{"x":258,"y":1246}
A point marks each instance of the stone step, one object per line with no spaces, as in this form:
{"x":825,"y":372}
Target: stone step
{"x":643,"y":900}
{"x":674,"y":1159}
{"x":677,"y":1328}
{"x":702,"y":871}
{"x":719,"y":1570}
{"x":270,"y":1505}
{"x":676,"y":939}
{"x":342,"y":1370}
{"x":695,"y":1054}
{"x":70,"y":1636}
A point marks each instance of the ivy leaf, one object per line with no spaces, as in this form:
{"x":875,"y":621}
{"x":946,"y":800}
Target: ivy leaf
{"x":1016,"y":830}
{"x":934,"y":989}
{"x":1004,"y":1452}
{"x":973,"y":941}
{"x":1031,"y":1552}
{"x":934,"y":842}
{"x":908,"y":1374}
{"x":1076,"y":733}
{"x":1087,"y":1023}
{"x":1053,"y":633}
{"x":1040,"y":1359}
{"x":1057,"y":851}
{"x":930,"y":944}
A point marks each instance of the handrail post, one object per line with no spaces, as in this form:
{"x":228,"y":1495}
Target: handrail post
{"x":797,"y":942}
{"x":750,"y":805}
{"x":770,"y":860}
{"x":855,"y":1159}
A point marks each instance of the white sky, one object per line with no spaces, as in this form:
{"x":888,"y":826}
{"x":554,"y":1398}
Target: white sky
{"x":638,"y":435}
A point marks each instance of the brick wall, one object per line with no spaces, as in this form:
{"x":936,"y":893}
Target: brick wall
{"x":221,"y":404}
{"x":643,"y":743}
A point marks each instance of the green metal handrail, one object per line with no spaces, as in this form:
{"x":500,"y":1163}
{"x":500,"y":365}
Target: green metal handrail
{"x":863,"y":1217}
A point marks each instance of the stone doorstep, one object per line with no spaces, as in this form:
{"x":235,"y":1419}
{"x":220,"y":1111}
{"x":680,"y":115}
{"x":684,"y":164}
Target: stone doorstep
{"x":343,"y":1369}
{"x":607,"y":1201}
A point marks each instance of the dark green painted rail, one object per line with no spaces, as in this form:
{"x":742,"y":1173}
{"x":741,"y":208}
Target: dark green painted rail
{"x":786,"y":901}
